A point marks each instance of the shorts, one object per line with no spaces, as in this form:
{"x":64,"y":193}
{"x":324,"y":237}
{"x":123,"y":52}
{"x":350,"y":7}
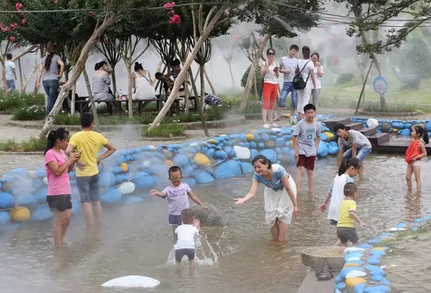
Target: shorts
{"x":10,"y":85}
{"x":180,"y":253}
{"x":416,"y":163}
{"x":59,"y":202}
{"x":307,"y":162}
{"x":288,"y":88}
{"x":361,"y":154}
{"x":175,"y":220}
{"x":346,"y":234}
{"x":88,"y":187}
{"x":333,"y":222}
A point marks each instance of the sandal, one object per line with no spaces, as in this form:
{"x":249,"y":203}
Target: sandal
{"x":324,"y":273}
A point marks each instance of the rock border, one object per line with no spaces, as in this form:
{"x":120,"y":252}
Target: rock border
{"x":390,"y":114}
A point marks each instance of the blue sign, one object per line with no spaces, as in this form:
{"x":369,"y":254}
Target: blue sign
{"x":380,"y":85}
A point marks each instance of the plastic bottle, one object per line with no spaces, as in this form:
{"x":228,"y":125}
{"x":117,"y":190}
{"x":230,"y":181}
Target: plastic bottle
{"x":120,"y":95}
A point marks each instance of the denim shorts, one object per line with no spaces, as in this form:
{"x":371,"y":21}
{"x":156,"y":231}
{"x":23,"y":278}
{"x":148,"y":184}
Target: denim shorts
{"x":180,"y":253}
{"x":175,"y":220}
{"x":288,"y":88}
{"x":10,"y":85}
{"x":361,"y":154}
{"x":88,"y":187}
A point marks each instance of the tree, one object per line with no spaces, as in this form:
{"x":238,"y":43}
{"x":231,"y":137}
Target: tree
{"x":108,"y":46}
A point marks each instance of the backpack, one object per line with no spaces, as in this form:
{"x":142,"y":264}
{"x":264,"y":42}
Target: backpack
{"x":298,"y":81}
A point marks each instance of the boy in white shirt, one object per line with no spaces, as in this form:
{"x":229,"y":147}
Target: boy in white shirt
{"x":186,"y":234}
{"x":10,"y":73}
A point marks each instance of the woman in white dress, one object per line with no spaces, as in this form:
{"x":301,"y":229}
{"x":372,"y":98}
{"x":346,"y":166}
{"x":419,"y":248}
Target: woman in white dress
{"x":143,"y":85}
{"x":318,"y":73}
{"x":279,"y":196}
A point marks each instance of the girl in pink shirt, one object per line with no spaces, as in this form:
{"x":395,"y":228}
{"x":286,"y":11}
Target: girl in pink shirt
{"x":58,"y":165}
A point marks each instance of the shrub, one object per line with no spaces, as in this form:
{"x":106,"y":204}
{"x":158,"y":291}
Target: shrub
{"x":414,"y":62}
{"x":391,"y":108}
{"x":259,"y":79}
{"x":15,"y":100}
{"x":34,"y":144}
{"x":67,"y":119}
{"x":35,"y":112}
{"x":165,"y":130}
{"x":344,"y":78}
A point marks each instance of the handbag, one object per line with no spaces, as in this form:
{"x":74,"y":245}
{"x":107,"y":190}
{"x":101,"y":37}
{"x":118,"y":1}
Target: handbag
{"x":298,"y":82}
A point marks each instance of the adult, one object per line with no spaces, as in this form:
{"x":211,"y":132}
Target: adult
{"x":318,"y":73}
{"x":270,"y":73}
{"x":10,"y":73}
{"x":57,"y":168}
{"x":101,"y":82}
{"x":306,"y":68}
{"x":279,"y":196}
{"x":288,"y":65}
{"x":89,"y":143}
{"x":143,"y":85}
{"x":352,"y":144}
{"x":50,"y":75}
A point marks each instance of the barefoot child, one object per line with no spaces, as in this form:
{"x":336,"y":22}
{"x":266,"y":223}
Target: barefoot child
{"x":346,"y":221}
{"x":186,"y":234}
{"x":345,"y":175}
{"x":306,"y":139}
{"x":414,"y":154}
{"x":177,"y":196}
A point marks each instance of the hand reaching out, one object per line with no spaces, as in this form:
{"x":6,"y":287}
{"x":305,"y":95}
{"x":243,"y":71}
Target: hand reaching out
{"x":240,"y":200}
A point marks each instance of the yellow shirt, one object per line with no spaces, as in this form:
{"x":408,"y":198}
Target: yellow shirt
{"x":344,"y":217}
{"x":89,"y":143}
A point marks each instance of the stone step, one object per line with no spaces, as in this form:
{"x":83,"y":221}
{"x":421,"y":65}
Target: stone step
{"x":330,"y":123}
{"x":368,"y":131}
{"x":354,"y":126}
{"x":379,"y":138}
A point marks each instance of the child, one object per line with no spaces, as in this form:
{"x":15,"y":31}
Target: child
{"x":186,"y":234}
{"x":177,"y":196}
{"x":10,"y":73}
{"x":346,"y":172}
{"x":415,"y":152}
{"x":352,"y":144}
{"x":346,"y":221}
{"x":306,"y":139}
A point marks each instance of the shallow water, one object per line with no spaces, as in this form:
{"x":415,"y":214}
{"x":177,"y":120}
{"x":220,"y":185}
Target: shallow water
{"x":136,"y":239}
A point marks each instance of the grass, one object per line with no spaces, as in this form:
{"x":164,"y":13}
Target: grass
{"x":35,"y":112}
{"x":165,"y":130}
{"x":34,"y":144}
{"x":15,"y":100}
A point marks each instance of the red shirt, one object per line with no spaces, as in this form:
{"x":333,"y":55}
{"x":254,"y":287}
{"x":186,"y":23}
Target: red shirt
{"x":413,"y":150}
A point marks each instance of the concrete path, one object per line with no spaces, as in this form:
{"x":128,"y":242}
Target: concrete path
{"x":312,"y":285}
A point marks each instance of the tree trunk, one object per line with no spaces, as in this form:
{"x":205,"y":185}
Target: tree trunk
{"x":231,"y":76}
{"x":183,"y":74}
{"x":21,"y":77}
{"x":209,"y":82}
{"x":114,"y":79}
{"x":256,"y":92}
{"x":73,"y":100}
{"x":202,"y":101}
{"x":80,"y":66}
{"x":252,"y":72}
{"x":91,"y":98}
{"x":24,"y":86}
{"x":129,"y":86}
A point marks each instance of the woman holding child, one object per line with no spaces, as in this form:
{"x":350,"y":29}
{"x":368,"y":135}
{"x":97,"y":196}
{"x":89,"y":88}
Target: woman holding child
{"x":279,"y":194}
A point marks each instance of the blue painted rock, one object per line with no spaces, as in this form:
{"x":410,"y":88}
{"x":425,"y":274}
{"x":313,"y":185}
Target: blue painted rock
{"x":180,"y":160}
{"x":4,"y":217}
{"x":322,"y":150}
{"x":270,"y":155}
{"x":41,"y":194}
{"x":37,"y":184}
{"x":143,"y":181}
{"x":247,"y":167}
{"x":324,"y":137}
{"x":428,"y":126}
{"x":107,"y":179}
{"x":132,"y":199}
{"x":254,"y":153}
{"x":221,"y":155}
{"x":377,"y":289}
{"x":26,"y":200}
{"x":41,"y":213}
{"x":203,"y":178}
{"x":405,"y":132}
{"x":111,"y":196}
{"x":333,"y":150}
{"x":189,"y":181}
{"x":227,"y":169}
{"x":279,"y":142}
{"x":347,"y":270}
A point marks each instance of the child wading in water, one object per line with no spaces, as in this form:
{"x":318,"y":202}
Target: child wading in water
{"x":346,"y":172}
{"x":177,"y":196}
{"x":346,"y":221}
{"x":186,"y":234}
{"x":414,"y":154}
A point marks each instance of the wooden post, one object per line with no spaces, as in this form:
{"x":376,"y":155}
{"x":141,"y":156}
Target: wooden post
{"x":24,"y":87}
{"x":21,"y":77}
{"x":363,"y":87}
{"x":190,"y":58}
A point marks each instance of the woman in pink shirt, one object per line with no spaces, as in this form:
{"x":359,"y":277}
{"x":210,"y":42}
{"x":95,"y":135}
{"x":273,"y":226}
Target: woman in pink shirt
{"x":58,"y":165}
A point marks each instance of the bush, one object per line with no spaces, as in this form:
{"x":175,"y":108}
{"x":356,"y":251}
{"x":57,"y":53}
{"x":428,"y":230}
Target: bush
{"x":259,"y":79}
{"x":67,"y":119}
{"x":165,"y":130}
{"x":344,"y":78}
{"x":14,"y":101}
{"x":35,"y":112}
{"x":414,"y":62}
{"x":391,"y":108}
{"x":34,"y":144}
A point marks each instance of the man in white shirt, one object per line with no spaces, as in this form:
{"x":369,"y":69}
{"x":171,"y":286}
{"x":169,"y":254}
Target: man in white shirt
{"x":288,"y":65}
{"x":10,"y":73}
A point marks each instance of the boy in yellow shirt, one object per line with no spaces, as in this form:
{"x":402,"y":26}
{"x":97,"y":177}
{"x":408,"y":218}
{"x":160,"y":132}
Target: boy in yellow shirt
{"x":89,"y":143}
{"x":347,"y":216}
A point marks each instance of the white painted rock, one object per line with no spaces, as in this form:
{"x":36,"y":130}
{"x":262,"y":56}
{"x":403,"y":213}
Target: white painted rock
{"x":372,"y":123}
{"x":242,"y":153}
{"x":276,"y":129}
{"x":194,"y":144}
{"x":352,"y":249}
{"x":356,"y":274}
{"x":32,"y":174}
{"x":126,"y":187}
{"x":45,"y":180}
{"x":151,"y":147}
{"x":353,"y":258}
{"x":132,"y":282}
{"x":146,"y":164}
{"x":395,"y":229}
